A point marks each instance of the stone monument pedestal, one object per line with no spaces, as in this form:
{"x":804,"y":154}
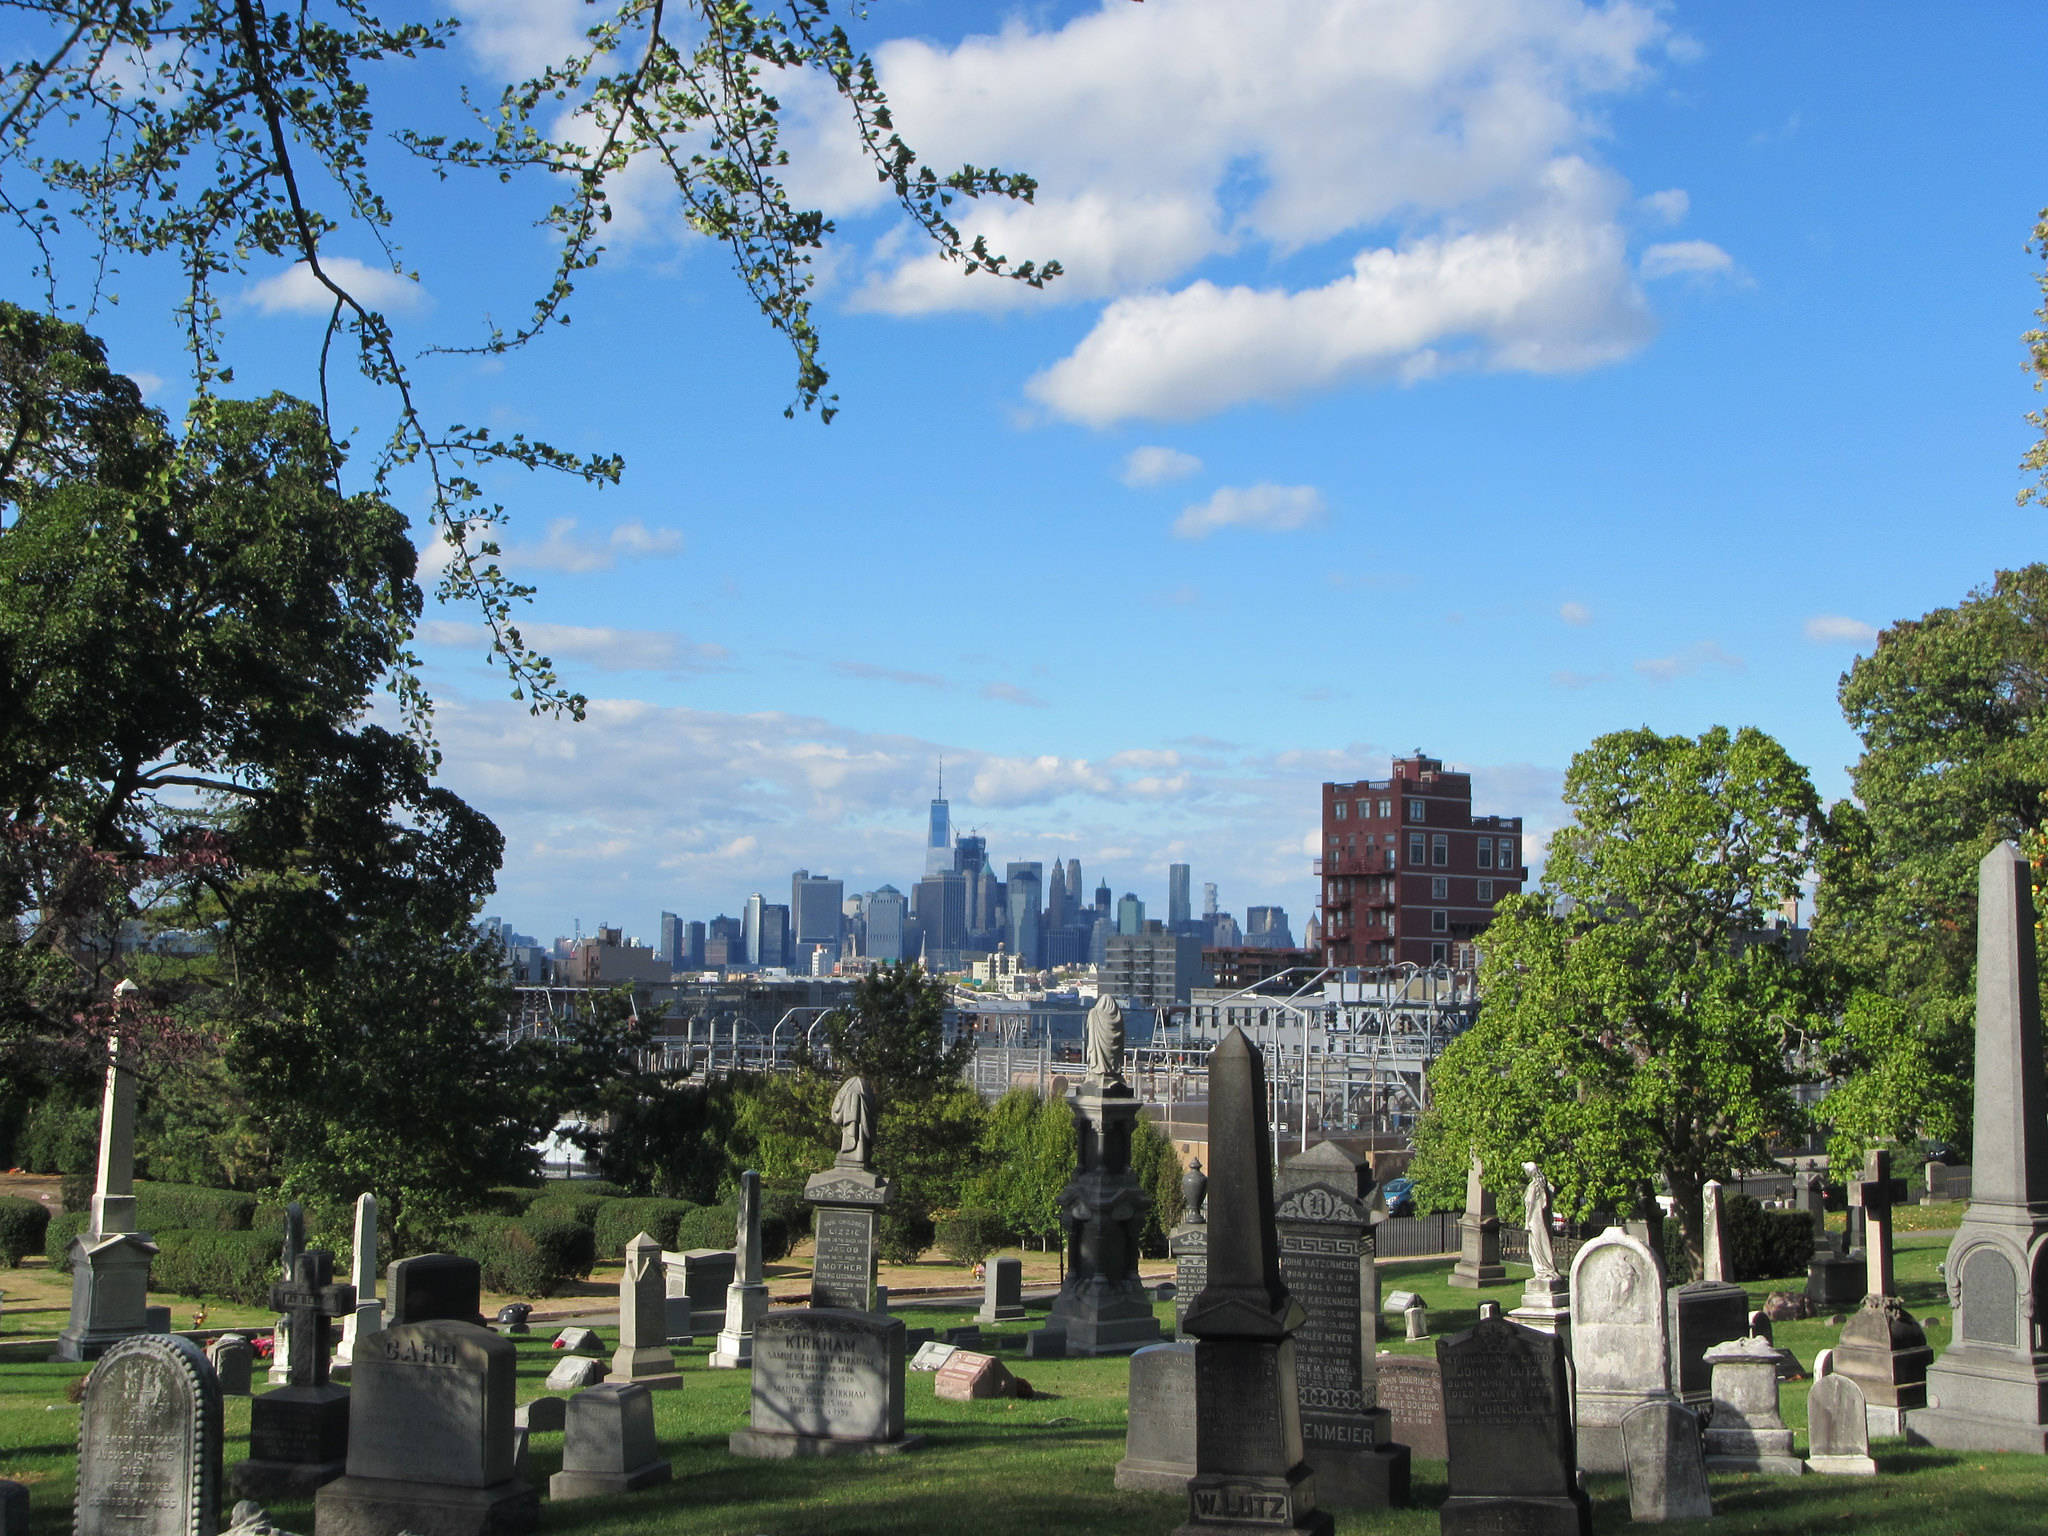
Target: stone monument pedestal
{"x":745,"y":1306}
{"x":1885,"y":1352}
{"x":376,"y":1506}
{"x":109,"y":1293}
{"x":1746,"y":1434}
{"x":1102,"y":1308}
{"x":1834,"y":1280}
{"x":847,"y":1202}
{"x":298,"y":1441}
{"x":1547,"y":1307}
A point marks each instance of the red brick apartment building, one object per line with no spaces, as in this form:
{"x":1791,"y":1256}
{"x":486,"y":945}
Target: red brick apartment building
{"x":1408,"y":872}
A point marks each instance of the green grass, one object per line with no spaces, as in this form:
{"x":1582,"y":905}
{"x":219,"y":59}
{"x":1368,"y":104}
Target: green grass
{"x":1043,"y":1466}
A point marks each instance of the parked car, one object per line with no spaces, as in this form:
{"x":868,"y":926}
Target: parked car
{"x":1400,"y":1195}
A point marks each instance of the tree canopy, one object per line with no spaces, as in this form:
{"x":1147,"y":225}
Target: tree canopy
{"x":227,"y":134}
{"x":1642,"y":1020}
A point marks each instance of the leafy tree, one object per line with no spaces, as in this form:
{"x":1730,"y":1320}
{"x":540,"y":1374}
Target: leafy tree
{"x":1027,"y":1153}
{"x":1157,"y":1165}
{"x":1638,"y":1023}
{"x":2036,"y":341}
{"x":1951,"y":709}
{"x":233,"y":134}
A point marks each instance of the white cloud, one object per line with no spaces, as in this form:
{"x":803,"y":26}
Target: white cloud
{"x":1274,"y":508}
{"x":867,"y":671}
{"x":519,"y":38}
{"x":1686,"y":258}
{"x":1013,"y":781}
{"x":1834,"y":629}
{"x":297,"y":291}
{"x":1010,"y":693}
{"x":1575,"y":613}
{"x":1156,"y":466}
{"x":1694,"y":658}
{"x":563,"y":550}
{"x":604,"y":649}
{"x":1547,"y":291}
{"x":1668,"y":207}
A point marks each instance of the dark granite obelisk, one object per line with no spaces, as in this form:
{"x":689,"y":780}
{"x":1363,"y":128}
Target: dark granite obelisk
{"x":1250,"y":1476}
{"x":1989,"y":1389}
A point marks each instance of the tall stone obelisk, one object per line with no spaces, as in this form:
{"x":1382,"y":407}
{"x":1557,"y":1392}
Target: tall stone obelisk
{"x":110,"y":1261}
{"x":1989,"y":1389}
{"x":1250,"y":1474}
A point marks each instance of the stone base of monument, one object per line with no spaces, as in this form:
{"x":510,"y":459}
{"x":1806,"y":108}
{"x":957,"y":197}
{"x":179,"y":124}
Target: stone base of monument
{"x":1223,"y":1504}
{"x":1547,"y":1307}
{"x":745,"y":1306}
{"x":376,"y":1506}
{"x":109,"y":1294}
{"x":652,"y":1367}
{"x":1753,"y":1450}
{"x":1479,"y":1260}
{"x":1835,"y":1281}
{"x":773,"y":1445}
{"x":1359,"y":1476}
{"x":590,"y":1485}
{"x":1885,"y":1352}
{"x":1100,"y":1319}
{"x":1563,"y":1515}
{"x":1600,"y":1446}
{"x":1138,"y":1476}
{"x":1979,"y":1400}
{"x":298,"y":1441}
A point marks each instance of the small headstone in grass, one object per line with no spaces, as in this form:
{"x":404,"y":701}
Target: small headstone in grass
{"x":13,"y":1508}
{"x":1667,"y":1470}
{"x":1002,"y":1294}
{"x":434,"y":1287}
{"x":1411,"y":1390}
{"x":578,"y":1339}
{"x":1399,"y":1301}
{"x":542,"y":1416}
{"x":1508,"y":1419}
{"x":1838,"y":1428}
{"x":968,"y":1377}
{"x":1417,"y":1318}
{"x":234,"y":1361}
{"x":573,"y":1373}
{"x":149,"y":1442}
{"x":827,"y":1381}
{"x":931,"y":1355}
{"x":609,"y":1444}
{"x":1159,"y":1435}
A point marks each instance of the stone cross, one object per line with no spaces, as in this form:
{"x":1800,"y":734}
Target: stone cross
{"x":1872,"y":1194}
{"x":747,"y":1250}
{"x":113,"y":1200}
{"x":309,"y":1299}
{"x":1716,"y":1255}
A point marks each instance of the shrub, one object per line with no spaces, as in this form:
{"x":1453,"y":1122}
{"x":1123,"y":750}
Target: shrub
{"x":598,"y":1189}
{"x":708,"y":1226}
{"x":77,"y":1190}
{"x":971,"y":1233}
{"x":905,"y":1234}
{"x":516,"y":1199}
{"x":1765,"y":1245}
{"x":568,"y":1205}
{"x":777,"y":1238}
{"x":24,"y":1226}
{"x":229,"y":1266}
{"x":57,"y":1237}
{"x":60,"y":1134}
{"x":182,"y":1207}
{"x":532,"y":1255}
{"x":620,"y":1221}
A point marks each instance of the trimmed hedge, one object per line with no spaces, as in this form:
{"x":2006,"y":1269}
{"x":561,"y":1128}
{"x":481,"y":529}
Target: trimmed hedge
{"x":64,"y":1226}
{"x":972,"y":1233}
{"x":708,"y":1226}
{"x":620,"y":1221}
{"x":192,"y":1207}
{"x":532,"y":1255}
{"x":1768,"y":1245}
{"x":568,"y":1205}
{"x":228,"y":1266}
{"x":904,"y":1234}
{"x":24,"y":1225}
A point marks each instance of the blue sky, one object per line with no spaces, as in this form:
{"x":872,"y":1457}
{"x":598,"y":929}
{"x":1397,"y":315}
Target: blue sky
{"x":1477,"y":377}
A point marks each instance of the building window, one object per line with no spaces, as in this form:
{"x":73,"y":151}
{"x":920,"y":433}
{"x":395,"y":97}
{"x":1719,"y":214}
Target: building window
{"x":1390,"y":856}
{"x":1386,"y":809}
{"x":1343,"y":809}
{"x":1507,"y":854}
{"x":1486,"y":890}
{"x":1440,"y":849}
{"x":1486,"y":853}
{"x":1364,"y":809}
{"x":1439,"y":921}
{"x":1415,"y":810}
{"x":1415,"y":851}
{"x":1436,"y":954}
{"x":1439,"y":887}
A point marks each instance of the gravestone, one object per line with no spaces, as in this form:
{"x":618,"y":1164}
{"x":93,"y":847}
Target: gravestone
{"x":1620,"y":1348}
{"x":1883,"y":1349}
{"x":542,"y":1416}
{"x":1189,"y":1249}
{"x":1838,"y":1428}
{"x":433,"y":1288}
{"x":1103,"y":1307}
{"x":368,"y":1315}
{"x":149,"y":1441}
{"x":643,"y":1354}
{"x":14,"y":1504}
{"x":298,"y":1434}
{"x":1411,"y":1389}
{"x":1706,"y":1312}
{"x":1478,"y":1235}
{"x":1324,"y":1220}
{"x":746,"y":1299}
{"x":608,"y":1444}
{"x":576,"y":1338}
{"x":827,"y":1382}
{"x":1667,"y":1469}
{"x":233,"y":1359}
{"x":1834,"y":1278}
{"x":1508,"y":1419}
{"x":572,"y":1373}
{"x":968,"y":1376}
{"x":1745,"y":1433}
{"x":1002,"y":1291}
{"x":1159,"y":1432}
{"x":1416,"y":1316}
{"x":1250,"y":1472}
{"x":847,"y":1200}
{"x":932,"y":1354}
{"x":1989,"y":1389}
{"x":1946,"y":1181}
{"x":696,"y":1283}
{"x":110,"y":1259}
{"x":432,"y":1448}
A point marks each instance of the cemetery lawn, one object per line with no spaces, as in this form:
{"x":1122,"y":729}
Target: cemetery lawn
{"x":1042,"y":1466}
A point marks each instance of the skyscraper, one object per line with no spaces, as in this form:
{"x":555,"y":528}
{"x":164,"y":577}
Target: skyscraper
{"x":814,"y":908}
{"x":1022,"y":883}
{"x":1209,"y":898}
{"x":1056,"y":897}
{"x":1130,"y":915}
{"x":774,"y":934}
{"x":1178,"y":910}
{"x":669,"y":949}
{"x":750,"y":929}
{"x":938,"y":840}
{"x":885,"y":919}
{"x":1073,"y":884}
